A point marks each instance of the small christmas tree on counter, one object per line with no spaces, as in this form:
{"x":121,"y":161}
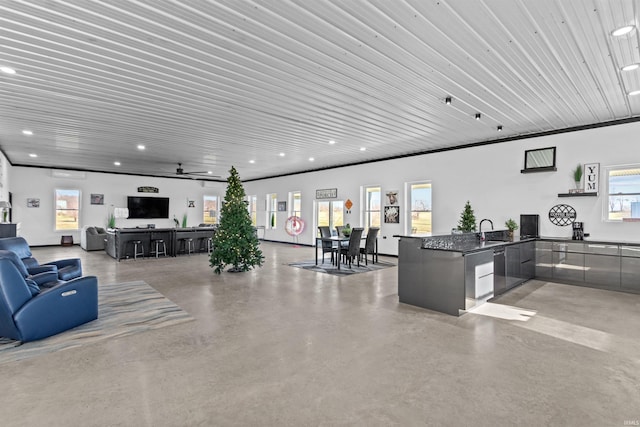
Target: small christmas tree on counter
{"x":235,"y":241}
{"x":467,"y":219}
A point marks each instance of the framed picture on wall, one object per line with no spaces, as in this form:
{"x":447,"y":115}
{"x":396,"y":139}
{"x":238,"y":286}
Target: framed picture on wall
{"x":97,"y":199}
{"x":33,"y":203}
{"x":392,"y":214}
{"x":282,"y":206}
{"x":392,"y":197}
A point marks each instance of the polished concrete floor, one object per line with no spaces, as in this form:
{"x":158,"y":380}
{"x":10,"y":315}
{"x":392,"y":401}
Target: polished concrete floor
{"x":281,"y":346}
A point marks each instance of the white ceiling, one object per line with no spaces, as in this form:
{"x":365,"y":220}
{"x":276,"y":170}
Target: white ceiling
{"x":213,"y":84}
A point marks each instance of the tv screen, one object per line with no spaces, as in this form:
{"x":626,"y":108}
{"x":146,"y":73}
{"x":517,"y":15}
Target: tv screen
{"x":148,"y":207}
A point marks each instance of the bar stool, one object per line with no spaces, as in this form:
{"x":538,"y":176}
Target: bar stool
{"x":205,"y":244}
{"x":210,"y":245}
{"x":186,"y":244}
{"x":136,"y":244}
{"x":156,"y":243}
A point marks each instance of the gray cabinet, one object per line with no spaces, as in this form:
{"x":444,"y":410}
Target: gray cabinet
{"x":630,"y":268}
{"x":568,"y":262}
{"x":513,"y":274}
{"x":544,"y":260}
{"x":602,"y":265}
{"x":527,"y":260}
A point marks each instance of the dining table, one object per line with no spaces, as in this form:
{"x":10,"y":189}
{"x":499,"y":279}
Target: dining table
{"x":338,"y":240}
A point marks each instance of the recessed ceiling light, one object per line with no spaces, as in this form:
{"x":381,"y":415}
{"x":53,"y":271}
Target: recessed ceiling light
{"x":311,"y":159}
{"x":478,"y":116}
{"x":499,"y":128}
{"x":281,"y":154}
{"x":33,"y":155}
{"x":252,"y":161}
{"x":210,"y":172}
{"x":116,"y":163}
{"x":363,"y":149}
{"x":622,"y":30}
{"x":141,"y":147}
{"x":630,"y":67}
{"x":7,"y":70}
{"x":27,"y":132}
{"x":332,"y":142}
{"x":634,"y":93}
{"x":447,"y":100}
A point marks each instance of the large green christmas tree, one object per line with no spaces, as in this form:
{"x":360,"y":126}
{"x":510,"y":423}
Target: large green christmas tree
{"x":235,"y":241}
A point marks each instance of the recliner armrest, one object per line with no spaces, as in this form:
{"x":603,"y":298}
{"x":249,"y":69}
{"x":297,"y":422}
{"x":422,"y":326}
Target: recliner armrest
{"x":61,"y":263}
{"x":42,"y":269}
{"x":45,"y":277}
{"x":57,"y":309}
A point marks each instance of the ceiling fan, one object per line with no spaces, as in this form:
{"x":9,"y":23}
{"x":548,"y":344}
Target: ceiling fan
{"x":203,"y":174}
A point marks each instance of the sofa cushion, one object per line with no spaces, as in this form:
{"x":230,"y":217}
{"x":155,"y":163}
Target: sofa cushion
{"x":92,"y":231}
{"x":101,"y":230}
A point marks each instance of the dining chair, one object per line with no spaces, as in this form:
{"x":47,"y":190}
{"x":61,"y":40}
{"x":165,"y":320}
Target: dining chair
{"x":352,"y":250}
{"x":327,"y":246}
{"x":339,"y":230}
{"x":370,"y":245}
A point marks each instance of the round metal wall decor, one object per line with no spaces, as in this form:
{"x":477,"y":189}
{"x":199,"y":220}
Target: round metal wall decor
{"x":562,"y":215}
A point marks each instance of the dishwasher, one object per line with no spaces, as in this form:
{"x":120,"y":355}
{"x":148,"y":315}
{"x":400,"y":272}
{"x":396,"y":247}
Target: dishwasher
{"x":499,"y":272}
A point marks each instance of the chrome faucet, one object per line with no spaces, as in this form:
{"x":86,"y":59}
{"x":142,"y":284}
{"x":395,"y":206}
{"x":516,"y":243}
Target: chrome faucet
{"x":480,"y":228}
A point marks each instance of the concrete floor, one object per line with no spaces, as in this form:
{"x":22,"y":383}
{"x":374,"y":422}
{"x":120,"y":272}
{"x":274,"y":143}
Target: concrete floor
{"x":281,"y":346}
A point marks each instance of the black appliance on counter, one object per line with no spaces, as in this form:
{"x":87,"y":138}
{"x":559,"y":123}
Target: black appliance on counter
{"x":578,"y":231}
{"x":529,"y":225}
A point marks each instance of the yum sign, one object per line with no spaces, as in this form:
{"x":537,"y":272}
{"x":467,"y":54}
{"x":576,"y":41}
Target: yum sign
{"x":591,"y":177}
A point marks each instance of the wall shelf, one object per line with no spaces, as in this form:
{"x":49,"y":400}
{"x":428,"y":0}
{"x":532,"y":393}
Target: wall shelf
{"x":578,"y":194}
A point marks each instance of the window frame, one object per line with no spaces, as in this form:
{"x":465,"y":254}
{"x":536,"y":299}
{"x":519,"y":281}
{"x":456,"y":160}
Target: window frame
{"x":607,"y":203}
{"x":409,"y":205}
{"x":78,"y":210}
{"x":367,"y":211}
{"x":205,"y":211}
{"x":271,"y":202}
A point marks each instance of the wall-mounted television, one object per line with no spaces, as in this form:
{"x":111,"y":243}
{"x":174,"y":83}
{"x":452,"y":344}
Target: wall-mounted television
{"x":148,"y":207}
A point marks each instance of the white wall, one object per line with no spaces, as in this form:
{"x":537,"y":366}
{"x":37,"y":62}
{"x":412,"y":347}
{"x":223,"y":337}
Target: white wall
{"x":38,"y":224}
{"x":488,"y":176}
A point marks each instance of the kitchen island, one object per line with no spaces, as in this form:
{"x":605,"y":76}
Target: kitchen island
{"x":454,"y":273}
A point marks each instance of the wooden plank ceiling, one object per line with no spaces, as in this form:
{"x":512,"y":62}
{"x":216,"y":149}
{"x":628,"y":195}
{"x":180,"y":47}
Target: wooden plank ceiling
{"x":266,"y":85}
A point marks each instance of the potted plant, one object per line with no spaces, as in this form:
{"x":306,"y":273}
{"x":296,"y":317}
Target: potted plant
{"x":184,"y":221}
{"x":577,"y":176}
{"x":511,"y":226}
{"x":111,"y":221}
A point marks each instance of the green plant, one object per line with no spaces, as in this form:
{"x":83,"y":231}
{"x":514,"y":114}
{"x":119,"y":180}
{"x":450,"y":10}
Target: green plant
{"x":577,"y":173}
{"x":511,"y":225}
{"x":235,"y":241}
{"x":111,"y":221}
{"x":184,"y":221}
{"x":467,"y":221}
{"x":346,"y":230}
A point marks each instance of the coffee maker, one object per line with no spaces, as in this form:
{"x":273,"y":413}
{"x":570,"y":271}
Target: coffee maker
{"x":578,"y":231}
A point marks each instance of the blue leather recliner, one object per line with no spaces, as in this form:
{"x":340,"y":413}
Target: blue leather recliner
{"x":67,"y":269}
{"x":45,"y":279}
{"x":27,"y":317}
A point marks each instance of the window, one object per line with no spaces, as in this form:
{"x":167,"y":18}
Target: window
{"x":624,"y":193}
{"x":295,"y":203}
{"x":330,"y":213}
{"x":272,"y":208}
{"x":210,"y":210}
{"x":420,"y":209}
{"x":372,"y":207}
{"x":253,"y":209}
{"x":67,"y":209}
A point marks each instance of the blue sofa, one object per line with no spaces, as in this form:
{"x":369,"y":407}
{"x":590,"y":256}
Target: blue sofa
{"x":67,"y":269}
{"x":46,"y":279}
{"x":26,"y":315}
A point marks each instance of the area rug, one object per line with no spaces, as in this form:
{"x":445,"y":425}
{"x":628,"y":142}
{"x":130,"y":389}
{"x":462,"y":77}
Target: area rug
{"x":329,"y":268}
{"x":123,"y":309}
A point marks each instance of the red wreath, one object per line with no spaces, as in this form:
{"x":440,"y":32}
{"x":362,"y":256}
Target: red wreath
{"x":294,"y":226}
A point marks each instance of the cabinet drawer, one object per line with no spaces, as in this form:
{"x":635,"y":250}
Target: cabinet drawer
{"x":601,"y":249}
{"x":568,"y":247}
{"x":602,"y":270}
{"x":630,"y":251}
{"x":568,"y":266}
